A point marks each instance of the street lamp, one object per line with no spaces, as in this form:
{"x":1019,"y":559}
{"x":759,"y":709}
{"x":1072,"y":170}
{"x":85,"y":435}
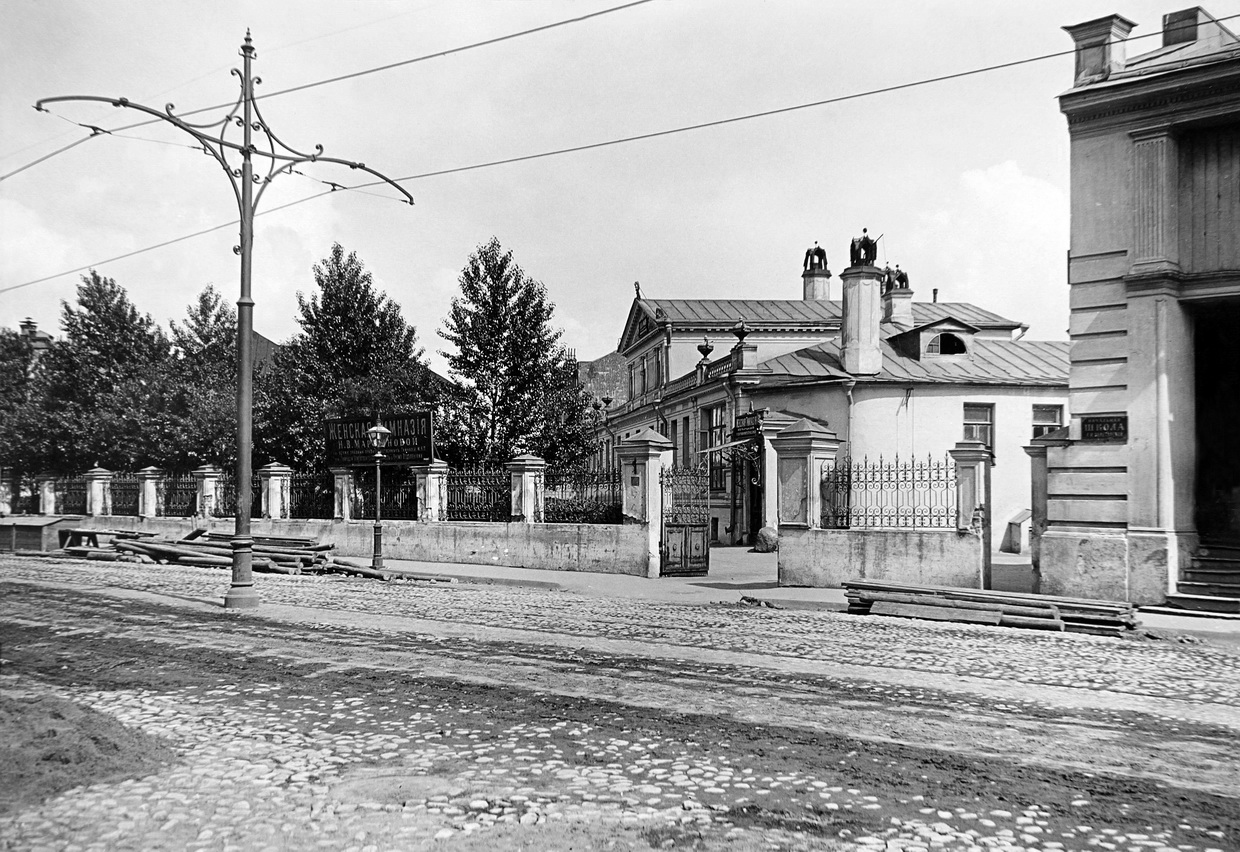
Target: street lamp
{"x":378,"y":436}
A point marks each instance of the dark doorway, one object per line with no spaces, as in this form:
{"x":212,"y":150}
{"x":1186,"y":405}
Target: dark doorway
{"x":1217,"y":345}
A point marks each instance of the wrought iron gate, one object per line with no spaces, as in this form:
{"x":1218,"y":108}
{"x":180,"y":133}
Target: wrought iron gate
{"x":686,"y":522}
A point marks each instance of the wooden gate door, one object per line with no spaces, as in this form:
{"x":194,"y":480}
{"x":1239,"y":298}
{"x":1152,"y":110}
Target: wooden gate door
{"x":686,"y":522}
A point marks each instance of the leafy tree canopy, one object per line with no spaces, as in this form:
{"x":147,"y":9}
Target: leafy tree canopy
{"x":518,"y":393}
{"x":355,"y":354}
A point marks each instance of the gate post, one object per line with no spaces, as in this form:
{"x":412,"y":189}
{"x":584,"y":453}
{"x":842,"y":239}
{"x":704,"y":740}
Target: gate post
{"x":527,"y":493}
{"x":342,"y":493}
{"x":973,"y":463}
{"x":801,"y":450}
{"x":98,"y":491}
{"x":207,"y":478}
{"x":149,"y":481}
{"x":45,"y":486}
{"x":642,"y":458}
{"x":275,"y":482}
{"x":431,"y":480}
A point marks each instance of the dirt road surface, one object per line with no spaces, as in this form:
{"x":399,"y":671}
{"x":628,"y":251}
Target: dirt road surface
{"x":360,"y":715}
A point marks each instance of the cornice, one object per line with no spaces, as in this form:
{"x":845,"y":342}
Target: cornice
{"x":1167,"y":94}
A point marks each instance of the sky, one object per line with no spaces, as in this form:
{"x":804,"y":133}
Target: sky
{"x":966,"y":179}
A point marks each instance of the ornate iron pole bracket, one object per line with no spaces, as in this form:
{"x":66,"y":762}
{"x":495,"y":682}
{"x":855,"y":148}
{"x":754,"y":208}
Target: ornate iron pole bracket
{"x":213,"y":137}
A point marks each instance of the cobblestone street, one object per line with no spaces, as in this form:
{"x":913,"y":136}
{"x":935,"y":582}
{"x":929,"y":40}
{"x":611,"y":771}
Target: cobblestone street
{"x":355,"y":714}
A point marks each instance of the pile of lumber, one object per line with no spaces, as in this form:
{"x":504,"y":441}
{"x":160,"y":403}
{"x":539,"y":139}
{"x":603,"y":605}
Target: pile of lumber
{"x":272,"y":554}
{"x":1004,"y":609}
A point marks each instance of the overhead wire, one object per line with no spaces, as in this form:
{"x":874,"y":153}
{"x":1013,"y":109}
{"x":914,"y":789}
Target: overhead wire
{"x":606,"y":143}
{"x":366,"y":71}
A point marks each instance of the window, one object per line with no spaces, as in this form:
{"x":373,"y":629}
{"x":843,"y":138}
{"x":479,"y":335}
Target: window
{"x":946,"y":344}
{"x":632,"y":381}
{"x":644,"y":386}
{"x":710,"y":434}
{"x":979,"y":424}
{"x":1046,"y":418}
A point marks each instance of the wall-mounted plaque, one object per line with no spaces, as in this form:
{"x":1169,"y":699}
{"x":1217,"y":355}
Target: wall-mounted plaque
{"x":412,"y":440}
{"x":1111,"y":428}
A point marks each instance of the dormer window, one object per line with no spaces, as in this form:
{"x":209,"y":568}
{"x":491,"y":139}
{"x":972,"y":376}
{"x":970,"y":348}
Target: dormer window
{"x":946,"y":344}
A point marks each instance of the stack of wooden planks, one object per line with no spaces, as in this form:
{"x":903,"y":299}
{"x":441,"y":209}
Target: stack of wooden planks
{"x":1005,"y":609}
{"x":272,"y":554}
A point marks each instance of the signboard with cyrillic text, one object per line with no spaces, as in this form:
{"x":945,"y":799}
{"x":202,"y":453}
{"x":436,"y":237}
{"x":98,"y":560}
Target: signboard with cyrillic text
{"x":412,"y":441}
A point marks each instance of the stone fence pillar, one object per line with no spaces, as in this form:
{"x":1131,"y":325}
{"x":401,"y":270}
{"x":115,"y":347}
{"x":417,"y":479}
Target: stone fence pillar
{"x":45,"y":487}
{"x":643,"y":458}
{"x":432,"y":488}
{"x":150,"y":482}
{"x":342,"y":493}
{"x":7,"y":492}
{"x":98,"y":491}
{"x":801,"y":450}
{"x":973,"y":463}
{"x":276,"y":484}
{"x":527,"y":488}
{"x":207,"y":478}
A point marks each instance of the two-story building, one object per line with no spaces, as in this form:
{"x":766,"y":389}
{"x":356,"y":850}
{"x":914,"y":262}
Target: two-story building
{"x":1148,"y":472}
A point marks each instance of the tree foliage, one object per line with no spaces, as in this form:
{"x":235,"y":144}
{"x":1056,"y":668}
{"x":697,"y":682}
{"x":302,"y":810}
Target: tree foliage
{"x":203,"y":373}
{"x":355,"y":354}
{"x":99,"y":394}
{"x":519,"y":390}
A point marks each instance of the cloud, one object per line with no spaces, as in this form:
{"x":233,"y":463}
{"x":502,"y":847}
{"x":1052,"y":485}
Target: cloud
{"x":999,"y":241}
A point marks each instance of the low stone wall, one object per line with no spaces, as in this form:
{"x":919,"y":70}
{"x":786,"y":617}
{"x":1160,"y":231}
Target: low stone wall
{"x":1118,"y":566}
{"x":597,"y":548}
{"x":826,"y":558}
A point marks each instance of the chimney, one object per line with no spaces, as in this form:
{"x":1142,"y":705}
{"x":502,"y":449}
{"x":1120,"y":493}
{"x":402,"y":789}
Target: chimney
{"x":859,"y":334}
{"x":816,"y":278}
{"x":898,"y":307}
{"x":1100,"y":48}
{"x":1195,"y":24}
{"x":816,"y":285}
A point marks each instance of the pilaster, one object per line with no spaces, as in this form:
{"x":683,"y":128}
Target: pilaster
{"x":207,"y":479}
{"x":98,"y":491}
{"x":973,"y":504}
{"x":527,"y":472}
{"x":342,"y":493}
{"x":1155,"y":204}
{"x":432,"y":485}
{"x":150,"y":484}
{"x":276,"y":484}
{"x":642,"y":459}
{"x":45,"y":487}
{"x":802,"y":450}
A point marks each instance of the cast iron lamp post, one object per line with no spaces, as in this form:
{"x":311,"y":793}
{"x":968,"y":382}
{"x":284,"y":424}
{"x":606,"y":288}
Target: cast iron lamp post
{"x":245,"y":115}
{"x":378,"y":436}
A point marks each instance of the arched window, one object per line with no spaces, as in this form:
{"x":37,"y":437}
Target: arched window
{"x":946,"y":344}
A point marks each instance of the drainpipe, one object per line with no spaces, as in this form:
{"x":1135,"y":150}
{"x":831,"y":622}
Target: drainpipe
{"x":848,"y":393}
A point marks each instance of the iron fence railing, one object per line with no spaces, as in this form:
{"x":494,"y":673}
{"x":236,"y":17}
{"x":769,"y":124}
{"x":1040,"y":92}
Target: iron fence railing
{"x":581,"y":496}
{"x":888,"y":493}
{"x":177,"y":495}
{"x":311,"y":495}
{"x":400,"y":494}
{"x":125,"y":494}
{"x":70,"y":495}
{"x":686,"y":495}
{"x":226,"y":497}
{"x":478,"y":495}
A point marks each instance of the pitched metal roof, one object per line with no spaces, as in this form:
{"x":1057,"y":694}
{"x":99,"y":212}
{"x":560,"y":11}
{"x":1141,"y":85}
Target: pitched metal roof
{"x":993,"y":362}
{"x":783,"y":312}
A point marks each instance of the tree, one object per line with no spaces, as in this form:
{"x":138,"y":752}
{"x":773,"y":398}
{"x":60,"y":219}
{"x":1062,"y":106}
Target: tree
{"x":518,"y":393}
{"x":203,"y":373}
{"x":355,"y":354}
{"x":16,"y":433}
{"x":100,"y":392}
